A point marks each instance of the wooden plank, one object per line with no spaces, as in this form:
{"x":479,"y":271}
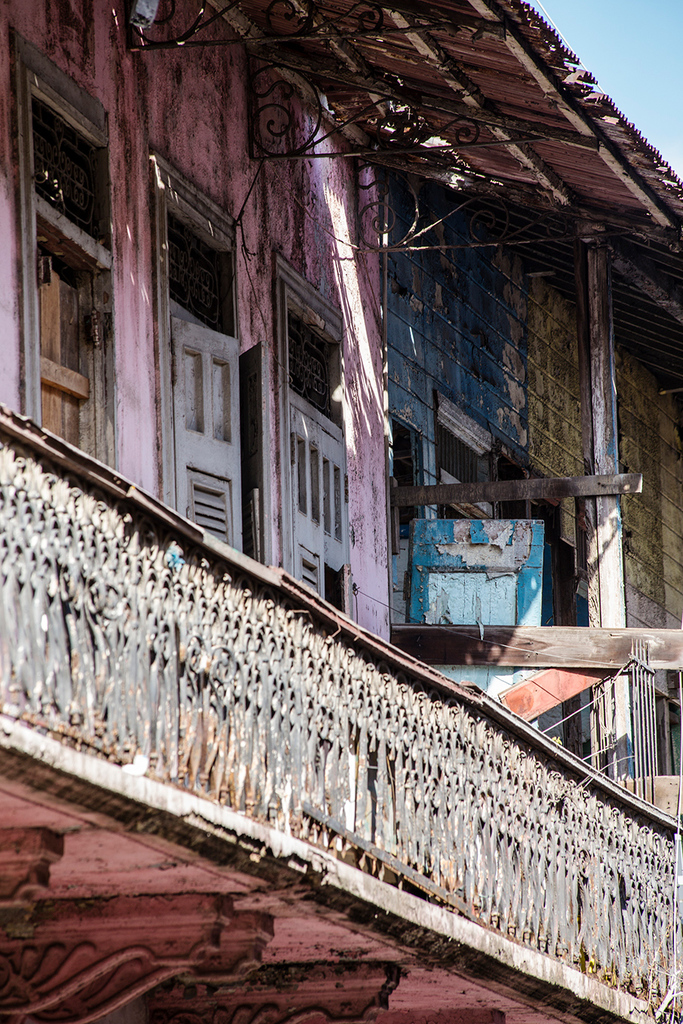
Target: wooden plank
{"x":518,"y":490}
{"x":536,"y":646}
{"x":50,"y":347}
{"x":549,"y":688}
{"x":64,"y":379}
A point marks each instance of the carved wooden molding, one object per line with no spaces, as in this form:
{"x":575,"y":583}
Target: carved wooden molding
{"x":74,"y":961}
{"x":25,"y":858}
{"x":334,"y":993}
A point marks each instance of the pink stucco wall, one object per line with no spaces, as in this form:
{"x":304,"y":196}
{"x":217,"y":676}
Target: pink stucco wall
{"x":190,"y":107}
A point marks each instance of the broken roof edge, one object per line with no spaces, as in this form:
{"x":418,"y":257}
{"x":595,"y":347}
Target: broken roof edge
{"x":529,"y":21}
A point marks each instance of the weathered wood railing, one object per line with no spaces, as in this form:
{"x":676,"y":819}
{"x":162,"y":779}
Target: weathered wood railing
{"x":119,"y":634}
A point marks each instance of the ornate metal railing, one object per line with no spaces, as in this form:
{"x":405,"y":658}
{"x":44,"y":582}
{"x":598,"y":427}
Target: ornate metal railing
{"x":121,"y":636}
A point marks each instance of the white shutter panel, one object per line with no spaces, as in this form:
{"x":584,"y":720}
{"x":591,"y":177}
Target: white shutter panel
{"x":318,"y":493}
{"x":207,"y":428}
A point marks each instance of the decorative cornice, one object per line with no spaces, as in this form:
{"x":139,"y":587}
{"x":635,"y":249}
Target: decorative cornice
{"x":77,"y":960}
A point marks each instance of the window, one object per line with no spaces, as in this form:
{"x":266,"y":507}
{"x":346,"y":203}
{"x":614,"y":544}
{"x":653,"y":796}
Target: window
{"x":406,"y":471}
{"x":66,"y":249}
{"x":199,"y":357}
{"x":463,"y":455}
{"x":315,"y":520}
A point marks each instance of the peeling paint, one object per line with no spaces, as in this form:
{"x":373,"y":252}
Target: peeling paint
{"x":476,"y":571}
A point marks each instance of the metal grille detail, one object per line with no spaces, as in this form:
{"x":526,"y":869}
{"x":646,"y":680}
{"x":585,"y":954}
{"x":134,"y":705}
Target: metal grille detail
{"x":194,"y":274}
{"x":65,"y":168}
{"x":642,"y":679}
{"x":308,"y":364}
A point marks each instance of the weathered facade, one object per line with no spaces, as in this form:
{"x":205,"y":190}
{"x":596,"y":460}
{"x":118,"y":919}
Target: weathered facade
{"x":275,"y":272}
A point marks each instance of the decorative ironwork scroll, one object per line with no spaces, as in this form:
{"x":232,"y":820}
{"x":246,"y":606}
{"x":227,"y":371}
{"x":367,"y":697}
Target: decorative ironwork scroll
{"x":308,"y":364}
{"x":194,"y":274}
{"x":395,"y":218}
{"x":65,"y":171}
{"x":304,"y":18}
{"x":280,"y":125}
{"x":291,"y":120}
{"x":400,"y":128}
{"x":114,"y":642}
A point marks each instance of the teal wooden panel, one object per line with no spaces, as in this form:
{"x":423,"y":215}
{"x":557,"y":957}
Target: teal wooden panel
{"x":486,"y":571}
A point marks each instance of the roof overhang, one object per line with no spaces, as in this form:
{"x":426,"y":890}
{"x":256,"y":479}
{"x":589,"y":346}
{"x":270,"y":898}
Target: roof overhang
{"x":482,"y":96}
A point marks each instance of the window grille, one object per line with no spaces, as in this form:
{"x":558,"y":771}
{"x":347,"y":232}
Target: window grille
{"x":65,"y":166}
{"x":194,"y":274}
{"x":308,"y":365}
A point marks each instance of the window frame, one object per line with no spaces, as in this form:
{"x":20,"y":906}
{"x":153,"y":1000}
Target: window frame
{"x":173,"y":194}
{"x":36,"y":77}
{"x":295,"y":293}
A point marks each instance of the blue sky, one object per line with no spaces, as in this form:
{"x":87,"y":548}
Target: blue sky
{"x":633,"y":48}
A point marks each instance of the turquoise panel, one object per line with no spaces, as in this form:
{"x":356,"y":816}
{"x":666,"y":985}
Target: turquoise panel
{"x":480,"y":571}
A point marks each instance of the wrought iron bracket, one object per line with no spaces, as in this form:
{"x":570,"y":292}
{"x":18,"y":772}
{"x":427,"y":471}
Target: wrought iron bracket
{"x":383,"y":227}
{"x":293,"y":121}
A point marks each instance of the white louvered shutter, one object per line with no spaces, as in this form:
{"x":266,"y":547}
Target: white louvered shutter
{"x":207,"y":428}
{"x":318,"y":494}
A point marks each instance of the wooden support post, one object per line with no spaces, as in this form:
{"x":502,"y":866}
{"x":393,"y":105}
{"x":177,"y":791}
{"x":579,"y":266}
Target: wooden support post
{"x":595,"y":335}
{"x":605,"y":441}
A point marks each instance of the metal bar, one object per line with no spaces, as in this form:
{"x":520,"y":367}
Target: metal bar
{"x":637,"y":698}
{"x":518,"y":490}
{"x":448,"y":148}
{"x":401,"y":869}
{"x":653,"y":725}
{"x":641,"y":674}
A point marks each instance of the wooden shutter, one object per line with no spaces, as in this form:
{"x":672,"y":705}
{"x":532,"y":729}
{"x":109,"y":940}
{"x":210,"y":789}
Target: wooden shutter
{"x":63,"y":386}
{"x":319,"y":511}
{"x":485,"y":571}
{"x":207,"y":428}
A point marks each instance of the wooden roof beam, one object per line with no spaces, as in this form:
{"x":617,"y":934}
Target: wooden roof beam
{"x":644,"y":274}
{"x":578,"y":647}
{"x":612,"y":157}
{"x":530,"y":489}
{"x":451,"y":73}
{"x":331,"y":71}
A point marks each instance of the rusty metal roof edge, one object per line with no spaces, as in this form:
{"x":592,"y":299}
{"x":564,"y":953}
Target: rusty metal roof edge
{"x":56,"y":450}
{"x":524,"y":17}
{"x":654,"y":193}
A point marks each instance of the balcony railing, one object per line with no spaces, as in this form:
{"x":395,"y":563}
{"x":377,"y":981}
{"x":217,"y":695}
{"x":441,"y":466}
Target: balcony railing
{"x":126,"y":634}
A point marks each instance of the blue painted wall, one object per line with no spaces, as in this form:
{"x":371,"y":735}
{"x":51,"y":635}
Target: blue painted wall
{"x":457,"y":324}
